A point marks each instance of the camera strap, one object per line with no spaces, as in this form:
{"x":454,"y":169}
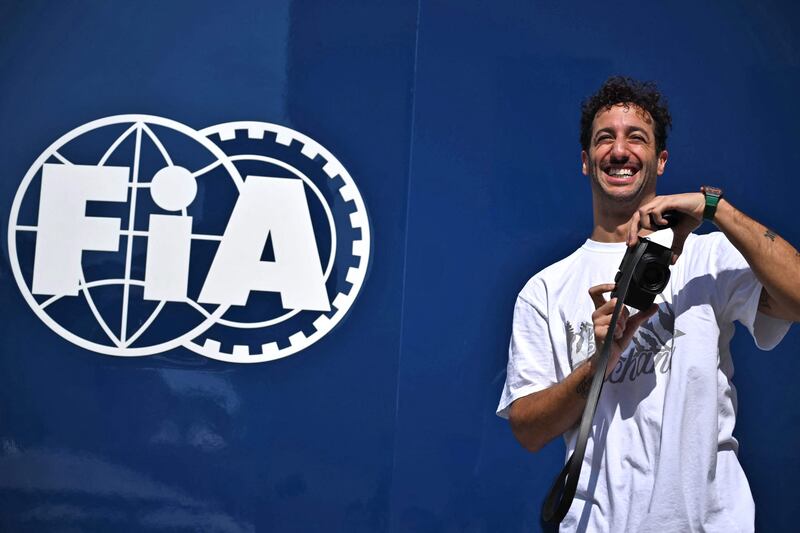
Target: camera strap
{"x":562,"y":492}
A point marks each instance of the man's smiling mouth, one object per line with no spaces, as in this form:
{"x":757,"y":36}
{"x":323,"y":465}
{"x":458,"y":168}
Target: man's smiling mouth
{"x":620,"y":175}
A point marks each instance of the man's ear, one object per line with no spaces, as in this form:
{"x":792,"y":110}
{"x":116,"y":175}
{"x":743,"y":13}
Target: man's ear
{"x":662,"y":161}
{"x":585,"y":162}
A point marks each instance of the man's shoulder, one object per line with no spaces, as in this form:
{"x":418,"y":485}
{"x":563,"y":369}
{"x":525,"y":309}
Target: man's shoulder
{"x":702,"y":251}
{"x":713,"y":253}
{"x":706,"y":241}
{"x":552,"y":275}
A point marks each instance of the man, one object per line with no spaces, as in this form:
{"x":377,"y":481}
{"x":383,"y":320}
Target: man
{"x":661,"y":456}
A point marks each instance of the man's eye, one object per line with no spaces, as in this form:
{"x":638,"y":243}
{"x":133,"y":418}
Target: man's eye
{"x":638,"y":138}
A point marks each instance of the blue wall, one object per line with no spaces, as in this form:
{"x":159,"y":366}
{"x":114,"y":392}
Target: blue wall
{"x":458,"y":121}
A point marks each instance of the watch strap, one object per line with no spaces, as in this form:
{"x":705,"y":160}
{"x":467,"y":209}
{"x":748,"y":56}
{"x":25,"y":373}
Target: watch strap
{"x":713,"y":196}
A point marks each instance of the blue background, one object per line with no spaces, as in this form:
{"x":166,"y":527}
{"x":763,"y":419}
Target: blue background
{"x":459,"y":123}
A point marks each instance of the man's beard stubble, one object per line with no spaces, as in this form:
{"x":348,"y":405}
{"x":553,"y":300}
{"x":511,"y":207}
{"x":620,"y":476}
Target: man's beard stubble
{"x":627,"y":203}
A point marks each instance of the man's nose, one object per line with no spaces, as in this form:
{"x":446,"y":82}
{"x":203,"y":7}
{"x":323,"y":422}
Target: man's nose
{"x":620,"y":149}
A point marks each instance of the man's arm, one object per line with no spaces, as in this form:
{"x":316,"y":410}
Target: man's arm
{"x":775,"y":262}
{"x":538,"y":418}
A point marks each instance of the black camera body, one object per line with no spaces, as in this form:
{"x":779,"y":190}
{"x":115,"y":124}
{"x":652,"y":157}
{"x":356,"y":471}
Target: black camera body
{"x":650,"y":275}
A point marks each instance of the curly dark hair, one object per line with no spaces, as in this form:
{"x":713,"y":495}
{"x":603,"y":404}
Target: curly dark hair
{"x":625,"y":90}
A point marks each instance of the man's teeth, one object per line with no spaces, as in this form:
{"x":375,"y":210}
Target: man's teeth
{"x":620,"y":172}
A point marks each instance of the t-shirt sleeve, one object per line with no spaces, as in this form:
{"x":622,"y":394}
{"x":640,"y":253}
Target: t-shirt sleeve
{"x":738,"y":294}
{"x":531,"y":364}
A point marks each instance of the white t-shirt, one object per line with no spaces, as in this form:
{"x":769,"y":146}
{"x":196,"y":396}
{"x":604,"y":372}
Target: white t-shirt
{"x":661,"y":455}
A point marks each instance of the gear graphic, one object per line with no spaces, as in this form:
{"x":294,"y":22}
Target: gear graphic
{"x":265,"y":330}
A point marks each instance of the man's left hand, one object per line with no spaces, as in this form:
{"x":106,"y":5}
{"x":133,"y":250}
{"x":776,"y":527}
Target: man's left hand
{"x":689,"y":205}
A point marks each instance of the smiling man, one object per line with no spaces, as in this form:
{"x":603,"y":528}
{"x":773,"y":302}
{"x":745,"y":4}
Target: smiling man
{"x":661,"y":455}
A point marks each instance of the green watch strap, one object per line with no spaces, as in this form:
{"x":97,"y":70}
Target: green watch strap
{"x":713,"y":196}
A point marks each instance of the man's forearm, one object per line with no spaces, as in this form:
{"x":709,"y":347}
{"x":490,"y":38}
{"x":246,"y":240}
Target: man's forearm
{"x":774,"y":261}
{"x":538,"y":418}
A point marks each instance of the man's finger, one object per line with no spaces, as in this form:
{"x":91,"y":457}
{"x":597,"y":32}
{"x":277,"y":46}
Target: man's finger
{"x":596,"y":293}
{"x":633,"y":230}
{"x":643,"y":315}
{"x":635,"y":321}
{"x":623,"y":318}
{"x":657,"y":218}
{"x":677,"y":244}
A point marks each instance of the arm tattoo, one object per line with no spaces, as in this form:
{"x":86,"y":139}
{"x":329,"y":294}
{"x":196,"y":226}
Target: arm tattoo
{"x":769,"y":234}
{"x":584,"y":386}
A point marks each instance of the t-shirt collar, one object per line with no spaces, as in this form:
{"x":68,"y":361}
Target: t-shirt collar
{"x":663,"y":237}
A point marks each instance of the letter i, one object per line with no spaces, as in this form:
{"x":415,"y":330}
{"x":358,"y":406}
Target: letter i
{"x":169,"y":239}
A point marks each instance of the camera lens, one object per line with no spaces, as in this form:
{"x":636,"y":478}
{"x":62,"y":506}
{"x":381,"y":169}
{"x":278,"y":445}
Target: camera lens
{"x":653,"y":276}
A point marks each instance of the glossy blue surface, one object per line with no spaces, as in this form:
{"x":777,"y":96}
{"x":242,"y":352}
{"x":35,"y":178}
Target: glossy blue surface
{"x":459,"y":123}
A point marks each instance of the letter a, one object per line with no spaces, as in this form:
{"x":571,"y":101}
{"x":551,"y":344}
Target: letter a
{"x":276,"y":207}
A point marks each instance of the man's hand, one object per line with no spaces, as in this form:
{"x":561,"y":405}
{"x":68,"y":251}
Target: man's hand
{"x":626,"y":324}
{"x":689,"y":205}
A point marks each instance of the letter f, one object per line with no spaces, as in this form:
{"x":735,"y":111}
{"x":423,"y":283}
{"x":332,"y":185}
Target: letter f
{"x":64,"y":231}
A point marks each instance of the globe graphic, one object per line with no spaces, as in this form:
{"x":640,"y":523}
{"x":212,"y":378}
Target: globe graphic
{"x":110,"y":315}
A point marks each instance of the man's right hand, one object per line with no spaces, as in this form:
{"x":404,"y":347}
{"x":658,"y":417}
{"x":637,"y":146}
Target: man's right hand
{"x":626,"y":324}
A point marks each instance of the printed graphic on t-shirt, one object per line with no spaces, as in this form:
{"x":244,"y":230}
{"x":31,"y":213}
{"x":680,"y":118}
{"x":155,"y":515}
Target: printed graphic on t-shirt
{"x":580,"y":342}
{"x":651,"y":348}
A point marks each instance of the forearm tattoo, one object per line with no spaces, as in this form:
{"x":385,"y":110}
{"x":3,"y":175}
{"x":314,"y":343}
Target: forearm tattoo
{"x":769,"y":234}
{"x":584,"y":386}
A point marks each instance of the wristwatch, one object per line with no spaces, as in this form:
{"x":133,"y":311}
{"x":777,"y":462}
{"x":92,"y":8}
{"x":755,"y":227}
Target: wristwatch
{"x":713,"y":196}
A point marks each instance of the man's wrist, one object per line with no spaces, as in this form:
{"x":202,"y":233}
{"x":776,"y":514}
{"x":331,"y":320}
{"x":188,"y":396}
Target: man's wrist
{"x":584,"y":373}
{"x":593,"y":363}
{"x":724,"y":213}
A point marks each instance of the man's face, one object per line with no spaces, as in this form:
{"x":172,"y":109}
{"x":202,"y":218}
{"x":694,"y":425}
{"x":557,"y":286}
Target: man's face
{"x":622,"y":160}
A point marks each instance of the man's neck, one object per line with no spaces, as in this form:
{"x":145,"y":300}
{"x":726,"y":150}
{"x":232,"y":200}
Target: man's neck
{"x":611,"y":224}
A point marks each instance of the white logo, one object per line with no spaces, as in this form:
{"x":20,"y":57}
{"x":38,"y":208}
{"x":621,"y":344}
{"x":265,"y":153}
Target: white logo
{"x":244,"y":242}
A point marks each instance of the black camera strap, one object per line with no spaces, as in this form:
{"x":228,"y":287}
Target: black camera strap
{"x":562,"y":492}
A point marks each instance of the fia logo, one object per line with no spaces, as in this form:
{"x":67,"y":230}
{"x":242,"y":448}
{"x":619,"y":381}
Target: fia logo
{"x":134,"y":234}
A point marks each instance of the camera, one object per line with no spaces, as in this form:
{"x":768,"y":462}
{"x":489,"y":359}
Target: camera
{"x":650,"y":275}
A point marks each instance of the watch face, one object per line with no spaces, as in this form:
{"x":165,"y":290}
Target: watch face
{"x":711,"y":191}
